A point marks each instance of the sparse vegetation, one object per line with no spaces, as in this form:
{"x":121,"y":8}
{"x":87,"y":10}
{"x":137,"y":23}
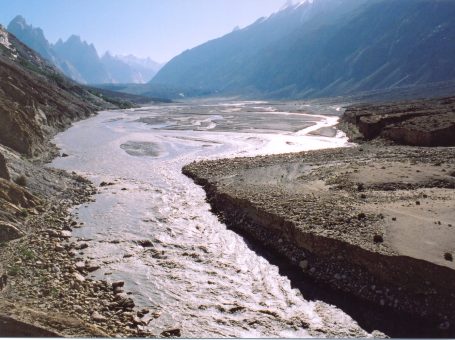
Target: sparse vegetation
{"x":21,"y":180}
{"x":58,"y":78}
{"x":54,"y":292}
{"x":378,"y":239}
{"x":30,"y":66}
{"x":361,"y":216}
{"x":26,"y":253}
{"x":22,"y":213}
{"x":14,"y":270}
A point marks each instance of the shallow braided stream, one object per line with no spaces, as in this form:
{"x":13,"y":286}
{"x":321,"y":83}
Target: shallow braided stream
{"x":200,"y":276}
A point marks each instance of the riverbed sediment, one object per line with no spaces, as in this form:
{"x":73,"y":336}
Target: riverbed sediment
{"x":375,"y":221}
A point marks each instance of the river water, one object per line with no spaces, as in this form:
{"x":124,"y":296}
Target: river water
{"x":200,"y":276}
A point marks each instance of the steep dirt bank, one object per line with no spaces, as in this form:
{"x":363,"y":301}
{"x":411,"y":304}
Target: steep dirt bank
{"x":420,"y":122}
{"x":376,"y":222}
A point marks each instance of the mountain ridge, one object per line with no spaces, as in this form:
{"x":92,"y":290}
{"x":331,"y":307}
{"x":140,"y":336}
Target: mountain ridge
{"x":325,"y":48}
{"x":36,"y":99}
{"x":80,"y":61}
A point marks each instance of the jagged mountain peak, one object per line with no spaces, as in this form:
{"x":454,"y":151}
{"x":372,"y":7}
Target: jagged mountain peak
{"x":107,"y":55}
{"x":74,"y":38}
{"x":35,"y":97}
{"x":31,"y":36}
{"x":19,"y":20}
{"x":19,"y":24}
{"x":80,"y":60}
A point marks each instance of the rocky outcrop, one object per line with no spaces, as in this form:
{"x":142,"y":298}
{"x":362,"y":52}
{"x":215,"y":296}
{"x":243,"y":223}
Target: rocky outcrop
{"x":13,"y":328}
{"x":9,"y":232}
{"x":420,"y":123}
{"x":15,"y":194}
{"x":14,"y":204}
{"x":430,"y":130}
{"x":4,"y":173}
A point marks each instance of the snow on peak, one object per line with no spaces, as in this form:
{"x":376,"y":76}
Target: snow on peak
{"x":293,"y":4}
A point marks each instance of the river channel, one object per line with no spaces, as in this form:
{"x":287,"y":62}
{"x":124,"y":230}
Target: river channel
{"x":194,"y":273}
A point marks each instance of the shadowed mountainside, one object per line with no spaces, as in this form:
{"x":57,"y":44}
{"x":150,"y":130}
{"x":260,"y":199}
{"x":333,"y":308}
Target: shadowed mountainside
{"x":325,"y":48}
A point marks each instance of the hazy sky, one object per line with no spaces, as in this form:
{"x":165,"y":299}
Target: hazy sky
{"x":159,"y":29}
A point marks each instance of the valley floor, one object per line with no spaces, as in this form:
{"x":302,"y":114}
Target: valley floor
{"x":375,"y":221}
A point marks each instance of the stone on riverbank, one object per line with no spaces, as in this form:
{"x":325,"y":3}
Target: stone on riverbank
{"x":97,"y":317}
{"x":4,"y":173}
{"x":9,"y":232}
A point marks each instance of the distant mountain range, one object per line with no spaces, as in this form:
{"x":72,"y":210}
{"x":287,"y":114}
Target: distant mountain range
{"x":36,"y":99}
{"x":80,"y":61}
{"x":325,"y":48}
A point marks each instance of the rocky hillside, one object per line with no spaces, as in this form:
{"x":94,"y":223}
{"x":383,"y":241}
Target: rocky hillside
{"x":37,"y":260}
{"x":419,"y":122}
{"x":325,"y":48}
{"x":36,"y":100}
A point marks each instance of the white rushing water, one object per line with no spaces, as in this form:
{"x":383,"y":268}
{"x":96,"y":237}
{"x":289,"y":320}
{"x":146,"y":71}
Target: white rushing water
{"x":201,"y":277}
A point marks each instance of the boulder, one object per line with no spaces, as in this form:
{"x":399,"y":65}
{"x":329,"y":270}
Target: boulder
{"x":124,"y":301}
{"x":3,"y":281}
{"x":81,"y":246}
{"x":175,"y":332}
{"x":4,"y":173}
{"x":16,"y":195}
{"x":80,"y":266}
{"x":65,"y":234}
{"x":118,"y":284}
{"x":9,"y":232}
{"x":97,"y":317}
{"x":79,"y":277}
